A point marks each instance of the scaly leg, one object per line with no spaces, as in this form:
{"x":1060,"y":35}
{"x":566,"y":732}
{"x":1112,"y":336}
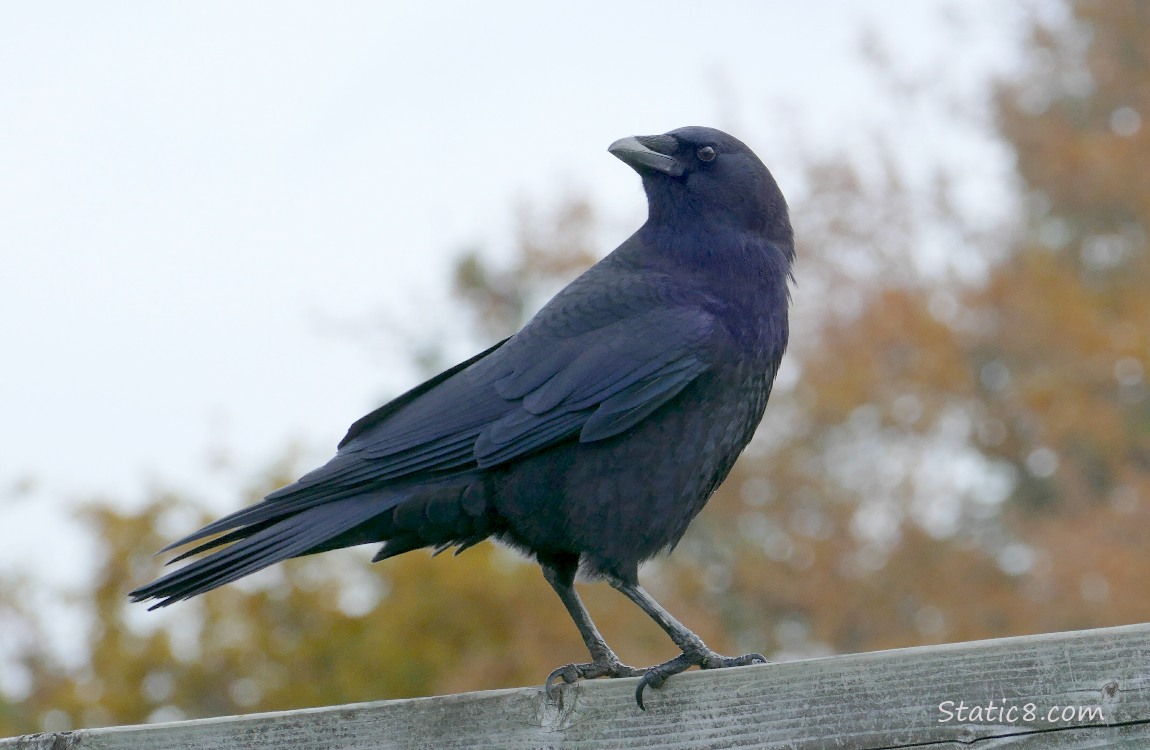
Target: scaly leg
{"x":604,"y":662}
{"x":695,"y":652}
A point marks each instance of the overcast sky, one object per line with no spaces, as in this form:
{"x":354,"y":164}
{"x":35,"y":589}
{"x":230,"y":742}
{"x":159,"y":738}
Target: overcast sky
{"x":199,"y":200}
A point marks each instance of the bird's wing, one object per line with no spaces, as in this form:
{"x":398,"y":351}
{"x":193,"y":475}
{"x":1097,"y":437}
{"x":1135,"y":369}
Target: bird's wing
{"x":520,"y":396}
{"x":530,"y":391}
{"x":606,"y":352}
{"x":598,"y":383}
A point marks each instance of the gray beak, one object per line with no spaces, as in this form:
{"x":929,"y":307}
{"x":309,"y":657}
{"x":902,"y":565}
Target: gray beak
{"x":650,"y":152}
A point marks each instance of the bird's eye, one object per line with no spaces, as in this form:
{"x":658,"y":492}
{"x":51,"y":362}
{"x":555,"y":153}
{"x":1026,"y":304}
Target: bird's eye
{"x":706,"y":153}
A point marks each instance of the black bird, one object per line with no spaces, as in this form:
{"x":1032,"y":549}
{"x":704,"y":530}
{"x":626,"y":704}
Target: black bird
{"x":592,"y":437}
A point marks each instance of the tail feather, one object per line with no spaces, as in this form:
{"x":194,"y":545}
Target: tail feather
{"x":271,"y":511}
{"x":454,"y":511}
{"x":232,"y":536}
{"x":276,"y":541}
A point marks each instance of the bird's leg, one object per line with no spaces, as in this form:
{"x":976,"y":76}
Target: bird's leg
{"x":604,"y":662}
{"x":695,"y":652}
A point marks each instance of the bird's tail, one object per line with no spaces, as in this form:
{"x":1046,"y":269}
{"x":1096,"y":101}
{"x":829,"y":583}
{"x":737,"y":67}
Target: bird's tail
{"x":442,"y":516}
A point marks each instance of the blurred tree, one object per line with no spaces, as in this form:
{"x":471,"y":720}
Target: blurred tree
{"x":1067,"y":319}
{"x":550,"y":251}
{"x":1007,"y":420}
{"x":1064,"y":338}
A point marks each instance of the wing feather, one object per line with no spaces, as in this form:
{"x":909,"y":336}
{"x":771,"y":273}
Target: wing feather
{"x":567,"y":375}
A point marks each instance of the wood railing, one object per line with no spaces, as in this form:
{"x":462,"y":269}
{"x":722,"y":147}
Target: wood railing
{"x":1065,"y":690}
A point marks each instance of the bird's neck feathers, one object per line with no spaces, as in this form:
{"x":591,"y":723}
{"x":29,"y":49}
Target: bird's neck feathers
{"x":719,"y":253}
{"x":760,"y":209}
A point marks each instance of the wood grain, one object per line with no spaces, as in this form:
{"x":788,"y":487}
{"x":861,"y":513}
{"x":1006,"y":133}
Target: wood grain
{"x":887,"y":699}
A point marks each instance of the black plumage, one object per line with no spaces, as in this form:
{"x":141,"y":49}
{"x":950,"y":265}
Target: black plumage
{"x":592,"y":437}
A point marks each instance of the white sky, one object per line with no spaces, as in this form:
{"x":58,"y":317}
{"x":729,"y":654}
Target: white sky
{"x":195,"y":198}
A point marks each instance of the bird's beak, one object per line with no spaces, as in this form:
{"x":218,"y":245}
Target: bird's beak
{"x":648,"y":151}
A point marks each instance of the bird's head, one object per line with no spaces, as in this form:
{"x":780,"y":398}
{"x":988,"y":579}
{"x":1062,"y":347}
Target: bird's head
{"x":698,"y":174}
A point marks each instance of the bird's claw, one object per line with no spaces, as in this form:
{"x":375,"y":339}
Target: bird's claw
{"x":703,"y":659}
{"x":569,"y":673}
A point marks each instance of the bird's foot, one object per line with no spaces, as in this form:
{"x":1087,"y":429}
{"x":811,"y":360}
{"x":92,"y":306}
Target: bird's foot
{"x":605,"y":667}
{"x":703,"y":658}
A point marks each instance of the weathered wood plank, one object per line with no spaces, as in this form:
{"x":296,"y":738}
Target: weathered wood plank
{"x":886,"y":699}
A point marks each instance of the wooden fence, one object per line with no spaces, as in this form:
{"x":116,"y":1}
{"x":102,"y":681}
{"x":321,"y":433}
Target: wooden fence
{"x":1063,"y":690}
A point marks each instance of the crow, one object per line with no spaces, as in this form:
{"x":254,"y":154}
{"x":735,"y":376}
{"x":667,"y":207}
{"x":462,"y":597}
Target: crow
{"x":588,"y":440}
